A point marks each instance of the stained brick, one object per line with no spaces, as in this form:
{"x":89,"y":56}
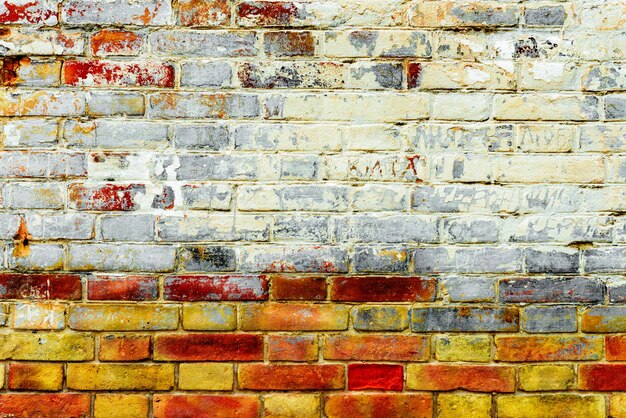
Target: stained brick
{"x":135,"y":288}
{"x":115,"y":42}
{"x":208,"y":347}
{"x":376,"y":347}
{"x":206,"y":406}
{"x":198,"y":288}
{"x":122,"y":73}
{"x":553,"y":348}
{"x":384,"y":405}
{"x":383,"y":289}
{"x":40,"y":286}
{"x":291,"y":377}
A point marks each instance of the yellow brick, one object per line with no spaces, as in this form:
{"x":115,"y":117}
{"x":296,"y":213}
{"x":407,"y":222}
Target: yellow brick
{"x":209,"y":317}
{"x":36,"y":376}
{"x":38,"y":316}
{"x":123,"y":317}
{"x":46,"y":346}
{"x":120,"y":376}
{"x":453,"y":405}
{"x":546,"y":377}
{"x":120,"y":406}
{"x":206,"y":376}
{"x":617,"y":405}
{"x":550,"y":406}
{"x":292,"y":406}
{"x":475,"y":348}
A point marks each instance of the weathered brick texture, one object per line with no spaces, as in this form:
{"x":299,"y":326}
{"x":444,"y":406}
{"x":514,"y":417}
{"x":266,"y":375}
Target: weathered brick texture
{"x":313,"y":208}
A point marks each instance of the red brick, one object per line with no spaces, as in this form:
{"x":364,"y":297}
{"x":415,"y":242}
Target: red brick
{"x":549,"y":348}
{"x":414,"y":74}
{"x":45,"y":405}
{"x":383,"y":289}
{"x":602,"y":377}
{"x":29,"y":12}
{"x":377,"y":347}
{"x":292,"y":347}
{"x":231,"y":287}
{"x":206,"y":406}
{"x":452,"y":377}
{"x":124,"y":347}
{"x":40,"y":286}
{"x":268,"y":13}
{"x":204,"y":12}
{"x":615,"y":347}
{"x":107,"y":197}
{"x":379,"y":405}
{"x":110,"y":73}
{"x":116,"y":42}
{"x":291,"y":377}
{"x":375,"y":376}
{"x":294,"y":317}
{"x":122,"y":288}
{"x":289,"y":44}
{"x":209,"y":347}
{"x":298,"y":288}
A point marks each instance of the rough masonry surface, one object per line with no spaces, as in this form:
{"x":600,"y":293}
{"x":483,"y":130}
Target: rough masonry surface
{"x":313,"y":208}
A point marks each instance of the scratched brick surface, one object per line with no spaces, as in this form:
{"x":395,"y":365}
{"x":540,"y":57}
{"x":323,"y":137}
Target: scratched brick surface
{"x":313,"y":208}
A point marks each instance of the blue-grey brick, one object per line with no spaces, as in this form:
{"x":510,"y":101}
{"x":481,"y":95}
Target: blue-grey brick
{"x":542,"y":198}
{"x":388,"y":229}
{"x":46,"y":257}
{"x":114,"y":134}
{"x":207,"y":196}
{"x":376,"y":75}
{"x":472,"y":229}
{"x":9,"y":224}
{"x":121,"y":257}
{"x":204,"y":43}
{"x":206,"y":74}
{"x":292,"y":167}
{"x":380,"y":318}
{"x":469,"y":288}
{"x":308,"y":197}
{"x":207,"y":258}
{"x":209,"y":167}
{"x":38,"y":133}
{"x":213,"y":227}
{"x":376,"y":198}
{"x":465,"y":198}
{"x":616,"y":287}
{"x":32,"y":195}
{"x":545,"y":16}
{"x":552,"y":289}
{"x":468,"y":260}
{"x":203,"y":105}
{"x":67,"y":226}
{"x":206,"y":137}
{"x":115,"y":103}
{"x":301,"y":228}
{"x":615,"y":107}
{"x":43,"y":164}
{"x":605,"y":259}
{"x":133,"y":227}
{"x":566,"y":229}
{"x":381,"y":259}
{"x":294,"y":259}
{"x":545,"y":319}
{"x":552,"y":260}
{"x":464,"y":319}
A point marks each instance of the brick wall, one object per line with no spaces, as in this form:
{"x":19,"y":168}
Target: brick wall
{"x":337,"y":208}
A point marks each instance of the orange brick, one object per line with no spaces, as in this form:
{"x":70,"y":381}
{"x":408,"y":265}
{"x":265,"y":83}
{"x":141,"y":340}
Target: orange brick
{"x":292,"y":347}
{"x":36,"y":376}
{"x":206,"y":406}
{"x":552,"y":348}
{"x":615,"y":347}
{"x":466,"y":377}
{"x":44,"y":405}
{"x":377,"y":347}
{"x":379,"y":405}
{"x":124,"y":347}
{"x":294,"y":317}
{"x":291,"y":377}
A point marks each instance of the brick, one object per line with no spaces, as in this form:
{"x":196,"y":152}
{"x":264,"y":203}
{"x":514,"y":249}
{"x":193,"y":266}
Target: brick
{"x":380,"y":318}
{"x":42,"y":12}
{"x":615,"y":347}
{"x":205,"y":376}
{"x":209,"y":317}
{"x":29,"y":133}
{"x":526,"y":107}
{"x":604,"y":259}
{"x":201,"y":258}
{"x":451,"y":14}
{"x":208,"y":347}
{"x":294,"y":259}
{"x":548,"y":348}
{"x":30,"y":72}
{"x":294,"y":317}
{"x":617,"y":405}
{"x":42,"y":165}
{"x":199,"y":288}
{"x":135,"y":288}
{"x":117,"y":317}
{"x":36,"y":316}
{"x":119,"y":406}
{"x":472,"y":348}
{"x":42,"y":257}
{"x":292,"y":405}
{"x":127,"y":227}
{"x":464,"y":319}
{"x":604,"y":319}
{"x":546,"y":377}
{"x":113,"y":134}
{"x":382,"y":289}
{"x":367,"y":228}
{"x":40,"y":286}
{"x":204,"y":13}
{"x":544,"y":16}
{"x":289,"y":43}
{"x":116,"y":42}
{"x":292,"y":348}
{"x":42,"y":103}
{"x":205,"y":406}
{"x":298,"y":288}
{"x":294,"y":74}
{"x":451,"y":377}
{"x":450,"y":405}
{"x":387,"y":405}
{"x":544,"y":319}
{"x":117,"y":347}
{"x":465,"y":198}
{"x":313,"y":197}
{"x":376,"y":347}
{"x":38,"y":41}
{"x":468,"y":260}
{"x":375,"y":377}
{"x":291,"y":377}
{"x":121,"y":12}
{"x":474,"y":230}
{"x":206,"y":74}
{"x":121,"y":257}
{"x":213,"y":227}
{"x":203,"y":105}
{"x":378,"y":43}
{"x":120,"y":376}
{"x":45,"y":405}
{"x":109,"y":197}
{"x":35,"y":376}
{"x":617,"y":290}
{"x":110,"y":73}
{"x":301,"y":228}
{"x":204,"y":43}
{"x":214,"y":197}
{"x":565,"y":289}
{"x":383,"y":259}
{"x":602,"y":377}
{"x":468,"y":288}
{"x":46,"y":346}
{"x":552,"y":260}
{"x":537,"y":406}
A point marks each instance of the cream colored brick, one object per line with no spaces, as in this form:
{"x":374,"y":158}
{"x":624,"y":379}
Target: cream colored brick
{"x":120,"y":406}
{"x":461,"y":106}
{"x":205,"y":376}
{"x":292,"y":406}
{"x":549,"y":169}
{"x":550,"y":75}
{"x":546,"y":138}
{"x":460,"y":75}
{"x":378,"y":43}
{"x":372,"y":138}
{"x":545,"y":107}
{"x":38,"y":316}
{"x":471,"y":14}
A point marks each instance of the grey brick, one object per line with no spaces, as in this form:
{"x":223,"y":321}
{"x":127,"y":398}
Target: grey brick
{"x":301,"y":228}
{"x":566,"y":229}
{"x":605,"y":259}
{"x":208,"y":167}
{"x":550,"y":289}
{"x":309,"y":197}
{"x":287,"y":137}
{"x":213,"y":137}
{"x":294,"y":259}
{"x":615,"y":106}
{"x":292,"y":167}
{"x":46,"y":257}
{"x":468,"y":260}
{"x":552,"y":260}
{"x":115,"y":103}
{"x":545,"y":16}
{"x":115,"y":134}
{"x":121,"y":257}
{"x":42,"y":164}
{"x":38,"y":133}
{"x":374,"y":198}
{"x":67,"y":226}
{"x":381,"y":259}
{"x":207,"y":258}
{"x":472,"y":230}
{"x":131,"y":227}
{"x":207,"y":196}
{"x":616,"y":287}
{"x":204,"y":43}
{"x":466,"y":198}
{"x":464,"y":319}
{"x":388,"y":229}
{"x":386,"y":75}
{"x":33,"y":195}
{"x":119,"y":12}
{"x":200,"y":105}
{"x":380,"y":318}
{"x":468,"y":288}
{"x":206,"y":74}
{"x":546,"y":319}
{"x":219,"y":227}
